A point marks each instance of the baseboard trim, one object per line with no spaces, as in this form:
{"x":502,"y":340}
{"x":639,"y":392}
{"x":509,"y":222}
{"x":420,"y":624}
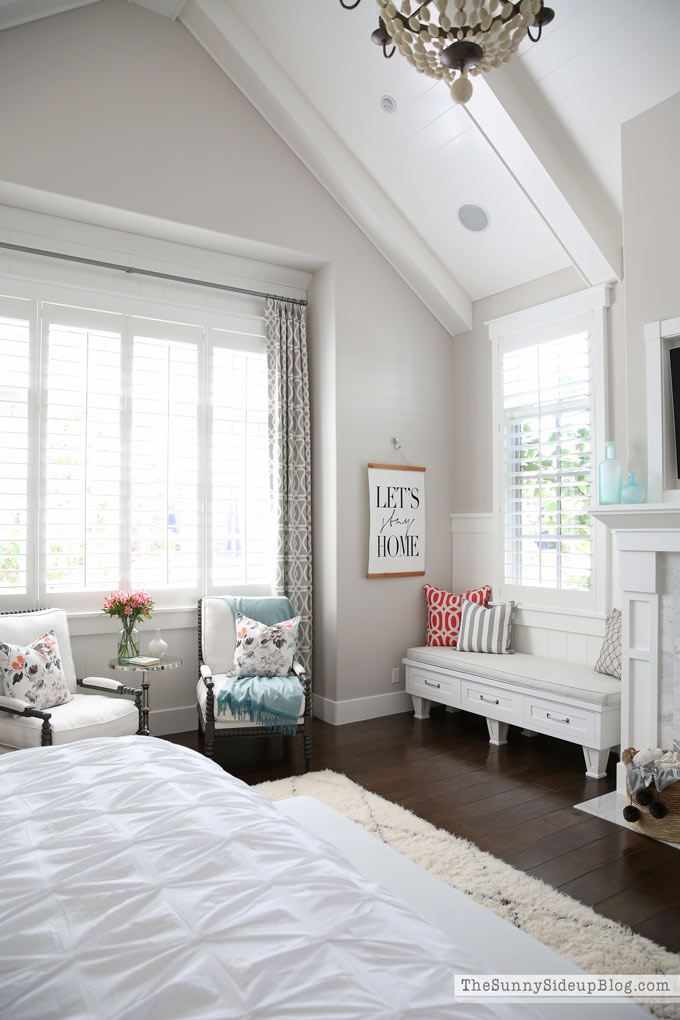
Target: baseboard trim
{"x":337,"y":713}
{"x":172,"y":720}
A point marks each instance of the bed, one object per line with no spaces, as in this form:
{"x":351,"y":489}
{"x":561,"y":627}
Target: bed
{"x":141,"y":881}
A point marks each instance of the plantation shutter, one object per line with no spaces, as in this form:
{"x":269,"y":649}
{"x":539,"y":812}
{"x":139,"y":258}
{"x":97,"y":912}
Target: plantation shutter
{"x":546,"y":427}
{"x":165,"y":455}
{"x":240,"y":500}
{"x":15,"y":444}
{"x":82,"y":463}
{"x":134,"y":454}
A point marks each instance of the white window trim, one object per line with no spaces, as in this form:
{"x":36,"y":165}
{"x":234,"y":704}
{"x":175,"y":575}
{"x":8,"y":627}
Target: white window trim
{"x":505,"y":332}
{"x":151,"y":244}
{"x":210,"y":323}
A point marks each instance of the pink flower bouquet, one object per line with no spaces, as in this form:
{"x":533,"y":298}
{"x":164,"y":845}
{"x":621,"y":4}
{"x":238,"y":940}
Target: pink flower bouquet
{"x":128,"y":606}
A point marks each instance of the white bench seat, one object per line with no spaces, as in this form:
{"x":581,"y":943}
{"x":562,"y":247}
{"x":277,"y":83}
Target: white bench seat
{"x":561,"y":699}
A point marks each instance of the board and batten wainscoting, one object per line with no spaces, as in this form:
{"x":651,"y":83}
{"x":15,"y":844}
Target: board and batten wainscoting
{"x":566,"y":635}
{"x":172,"y":695}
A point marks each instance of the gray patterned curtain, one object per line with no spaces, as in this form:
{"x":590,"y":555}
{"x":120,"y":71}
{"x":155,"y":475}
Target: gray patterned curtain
{"x":290,"y":460}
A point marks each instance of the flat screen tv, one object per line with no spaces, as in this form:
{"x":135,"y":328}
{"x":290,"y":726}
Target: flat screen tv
{"x":675,"y":388}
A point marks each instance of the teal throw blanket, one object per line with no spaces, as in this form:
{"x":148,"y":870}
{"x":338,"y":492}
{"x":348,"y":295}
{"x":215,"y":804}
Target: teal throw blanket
{"x":268,"y":609}
{"x":273,"y":701}
{"x":276,"y":701}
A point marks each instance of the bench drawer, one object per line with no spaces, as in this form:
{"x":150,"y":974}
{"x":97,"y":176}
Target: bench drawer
{"x":493,"y":702}
{"x":561,"y":720}
{"x":425,"y":683}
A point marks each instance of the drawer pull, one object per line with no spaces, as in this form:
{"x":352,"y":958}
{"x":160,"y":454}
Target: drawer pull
{"x":492,"y":701}
{"x":428,"y":683}
{"x":556,"y":718}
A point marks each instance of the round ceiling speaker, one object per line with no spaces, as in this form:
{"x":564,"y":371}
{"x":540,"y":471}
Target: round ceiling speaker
{"x":473,"y":217}
{"x":388,"y":104}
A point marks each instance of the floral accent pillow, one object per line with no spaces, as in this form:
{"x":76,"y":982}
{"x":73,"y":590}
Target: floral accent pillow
{"x":34,"y":673}
{"x":262,"y":650}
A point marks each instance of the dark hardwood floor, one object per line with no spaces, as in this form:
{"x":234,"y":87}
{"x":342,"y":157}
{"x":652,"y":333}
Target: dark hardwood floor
{"x":514,"y":801}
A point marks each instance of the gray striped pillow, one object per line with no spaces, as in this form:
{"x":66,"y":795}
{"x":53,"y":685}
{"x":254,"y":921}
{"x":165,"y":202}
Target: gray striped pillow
{"x":486,"y":630}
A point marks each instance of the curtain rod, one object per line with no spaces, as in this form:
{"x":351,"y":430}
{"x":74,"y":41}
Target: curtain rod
{"x":149,"y":272}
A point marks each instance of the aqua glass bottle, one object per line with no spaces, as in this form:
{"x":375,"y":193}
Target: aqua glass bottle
{"x":632,"y":492}
{"x":610,"y":475}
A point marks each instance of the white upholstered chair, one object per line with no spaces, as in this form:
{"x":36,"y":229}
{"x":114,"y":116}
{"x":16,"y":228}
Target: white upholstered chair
{"x":85,"y":715}
{"x":216,"y":644}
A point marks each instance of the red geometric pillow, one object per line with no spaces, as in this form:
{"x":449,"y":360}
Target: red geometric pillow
{"x":443,"y":612}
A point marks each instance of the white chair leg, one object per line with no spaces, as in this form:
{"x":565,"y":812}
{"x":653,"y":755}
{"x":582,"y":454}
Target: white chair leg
{"x":498,"y":732}
{"x":596,"y":762}
{"x":421,"y":707}
{"x":529,"y":733}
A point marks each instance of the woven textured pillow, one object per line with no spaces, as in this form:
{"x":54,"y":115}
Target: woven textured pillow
{"x":486,"y":630}
{"x":264,"y":651}
{"x":443,"y":612}
{"x":609,"y":660}
{"x":34,"y":673}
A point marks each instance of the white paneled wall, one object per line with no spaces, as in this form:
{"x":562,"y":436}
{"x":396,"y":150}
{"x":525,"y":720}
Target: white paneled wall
{"x":566,"y":635}
{"x":173,"y":692}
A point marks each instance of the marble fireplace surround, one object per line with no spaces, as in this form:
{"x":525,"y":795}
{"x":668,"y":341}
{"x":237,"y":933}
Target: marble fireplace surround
{"x":648,"y":543}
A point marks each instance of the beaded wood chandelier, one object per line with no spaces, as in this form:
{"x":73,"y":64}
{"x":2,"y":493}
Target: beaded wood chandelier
{"x":454,"y":39}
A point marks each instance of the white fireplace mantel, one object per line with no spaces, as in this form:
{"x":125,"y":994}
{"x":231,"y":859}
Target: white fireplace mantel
{"x":640,"y":517}
{"x":642,"y":531}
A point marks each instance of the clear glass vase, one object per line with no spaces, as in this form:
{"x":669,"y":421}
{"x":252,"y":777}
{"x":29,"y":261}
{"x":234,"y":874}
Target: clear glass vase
{"x":128,"y":641}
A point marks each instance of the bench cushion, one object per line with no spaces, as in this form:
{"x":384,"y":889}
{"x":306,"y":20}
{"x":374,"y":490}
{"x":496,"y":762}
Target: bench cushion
{"x":562,"y":679}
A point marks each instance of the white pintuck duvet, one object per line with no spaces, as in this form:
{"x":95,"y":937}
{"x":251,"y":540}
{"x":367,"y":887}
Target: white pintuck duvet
{"x":138,"y":880}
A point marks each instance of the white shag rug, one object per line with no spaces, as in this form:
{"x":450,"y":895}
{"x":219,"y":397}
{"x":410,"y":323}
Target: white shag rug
{"x":589,"y":940}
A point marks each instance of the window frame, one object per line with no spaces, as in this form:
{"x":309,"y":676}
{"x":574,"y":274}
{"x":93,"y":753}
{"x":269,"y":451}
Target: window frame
{"x":33,"y":296}
{"x":584,"y":311}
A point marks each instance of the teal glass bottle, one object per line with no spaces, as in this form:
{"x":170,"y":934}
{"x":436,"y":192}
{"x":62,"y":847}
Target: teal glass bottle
{"x":610,"y":474}
{"x":632,"y":492}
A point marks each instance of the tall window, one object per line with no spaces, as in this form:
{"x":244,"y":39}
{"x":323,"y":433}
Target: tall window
{"x":547,"y":464}
{"x":16,"y":403}
{"x":134,"y":453}
{"x":549,"y":416}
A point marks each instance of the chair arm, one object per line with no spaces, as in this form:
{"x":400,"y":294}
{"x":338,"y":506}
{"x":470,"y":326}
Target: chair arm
{"x":206,"y":675}
{"x":306,"y":684}
{"x":108,"y":684}
{"x":18,"y":707}
{"x":13,"y":704}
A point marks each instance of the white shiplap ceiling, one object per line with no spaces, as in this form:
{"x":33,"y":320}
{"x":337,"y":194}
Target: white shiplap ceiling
{"x":538,"y":146}
{"x":428,"y":156}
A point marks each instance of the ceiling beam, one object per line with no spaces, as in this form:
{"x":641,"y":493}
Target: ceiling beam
{"x":271,"y":91}
{"x":168,"y":8}
{"x":18,"y":12}
{"x":567,"y":203}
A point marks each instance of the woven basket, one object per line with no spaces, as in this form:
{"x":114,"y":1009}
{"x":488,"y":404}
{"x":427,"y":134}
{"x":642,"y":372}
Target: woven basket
{"x":668,"y":827}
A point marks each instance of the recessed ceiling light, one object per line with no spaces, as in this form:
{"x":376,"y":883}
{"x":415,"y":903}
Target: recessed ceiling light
{"x":388,"y":104}
{"x":473,"y":217}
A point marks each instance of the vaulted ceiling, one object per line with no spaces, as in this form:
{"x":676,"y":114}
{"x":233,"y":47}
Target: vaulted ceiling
{"x":537,"y":147}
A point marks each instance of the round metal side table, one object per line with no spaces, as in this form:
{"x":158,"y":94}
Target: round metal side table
{"x":122,"y":665}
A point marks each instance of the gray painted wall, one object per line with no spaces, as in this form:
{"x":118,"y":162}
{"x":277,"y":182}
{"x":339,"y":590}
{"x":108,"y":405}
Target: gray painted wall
{"x":122,"y":108}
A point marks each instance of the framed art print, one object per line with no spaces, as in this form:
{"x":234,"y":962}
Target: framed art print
{"x":397,"y":520}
